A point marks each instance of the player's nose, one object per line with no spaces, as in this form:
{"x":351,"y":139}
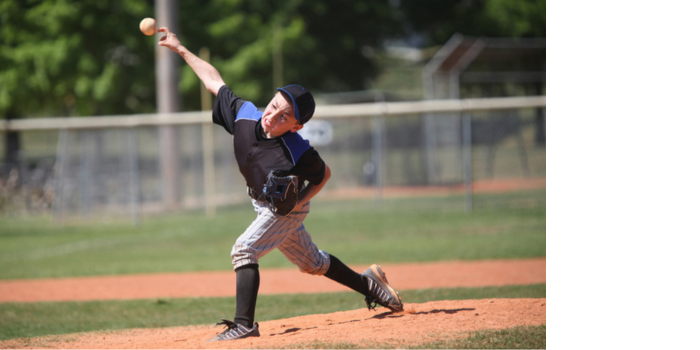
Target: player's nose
{"x":274,"y":116}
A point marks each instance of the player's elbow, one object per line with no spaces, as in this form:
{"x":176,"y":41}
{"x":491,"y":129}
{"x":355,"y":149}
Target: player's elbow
{"x":327,"y":176}
{"x":214,"y":86}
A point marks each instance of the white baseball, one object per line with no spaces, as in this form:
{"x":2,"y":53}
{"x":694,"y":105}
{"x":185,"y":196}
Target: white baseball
{"x":148,"y":26}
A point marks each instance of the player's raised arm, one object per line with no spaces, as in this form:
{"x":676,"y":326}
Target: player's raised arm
{"x":205,"y":71}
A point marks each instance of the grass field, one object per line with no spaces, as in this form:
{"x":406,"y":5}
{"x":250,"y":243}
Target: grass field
{"x":532,"y":337}
{"x":502,"y":226}
{"x":358,"y":232}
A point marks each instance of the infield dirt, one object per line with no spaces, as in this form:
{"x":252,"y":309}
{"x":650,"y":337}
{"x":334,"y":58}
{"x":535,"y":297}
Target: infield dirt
{"x":417,"y":324}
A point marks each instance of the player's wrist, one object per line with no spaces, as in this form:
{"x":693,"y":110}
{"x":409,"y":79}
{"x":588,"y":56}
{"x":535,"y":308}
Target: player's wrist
{"x":182,"y":50}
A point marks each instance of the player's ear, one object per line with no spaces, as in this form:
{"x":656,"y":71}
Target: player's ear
{"x":297,"y":127}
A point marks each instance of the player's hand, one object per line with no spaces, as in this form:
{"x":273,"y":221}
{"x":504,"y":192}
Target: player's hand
{"x":170,"y":40}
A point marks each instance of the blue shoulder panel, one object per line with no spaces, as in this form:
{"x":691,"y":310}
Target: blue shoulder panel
{"x":296,"y":145}
{"x":249,"y":111}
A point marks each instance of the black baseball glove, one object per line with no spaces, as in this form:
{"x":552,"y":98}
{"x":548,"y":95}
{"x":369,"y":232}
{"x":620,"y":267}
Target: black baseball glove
{"x":282,"y":191}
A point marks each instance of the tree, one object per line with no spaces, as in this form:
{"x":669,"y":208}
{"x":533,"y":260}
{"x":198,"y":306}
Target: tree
{"x":437,"y":21}
{"x":71,"y":57}
{"x":322,"y":43}
{"x":68,"y":57}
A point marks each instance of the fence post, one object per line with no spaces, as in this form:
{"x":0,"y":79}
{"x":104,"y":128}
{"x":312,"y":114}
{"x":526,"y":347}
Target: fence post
{"x":378,"y":155}
{"x":86,"y":173}
{"x":134,"y":178}
{"x":59,"y":173}
{"x":467,"y":153}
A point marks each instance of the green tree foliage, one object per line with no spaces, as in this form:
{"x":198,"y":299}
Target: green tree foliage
{"x":437,"y":21}
{"x":517,"y":18}
{"x":70,"y":57}
{"x":321,"y":42}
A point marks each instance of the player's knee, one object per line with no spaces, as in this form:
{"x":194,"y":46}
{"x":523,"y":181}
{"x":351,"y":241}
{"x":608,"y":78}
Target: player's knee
{"x":318,"y":266}
{"x":243,"y":254}
{"x":312,"y":270}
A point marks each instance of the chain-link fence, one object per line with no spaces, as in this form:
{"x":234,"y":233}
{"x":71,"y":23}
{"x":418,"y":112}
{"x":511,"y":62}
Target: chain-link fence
{"x":117,"y":172}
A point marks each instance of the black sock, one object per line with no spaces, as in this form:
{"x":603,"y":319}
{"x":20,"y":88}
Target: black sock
{"x":247,"y":285}
{"x":346,"y":276}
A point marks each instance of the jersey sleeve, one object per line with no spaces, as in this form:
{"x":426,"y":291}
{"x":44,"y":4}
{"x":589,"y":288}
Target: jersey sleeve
{"x":226,"y":108}
{"x":310,"y":167}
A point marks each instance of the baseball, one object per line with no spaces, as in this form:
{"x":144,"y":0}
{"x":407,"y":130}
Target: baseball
{"x":148,"y":26}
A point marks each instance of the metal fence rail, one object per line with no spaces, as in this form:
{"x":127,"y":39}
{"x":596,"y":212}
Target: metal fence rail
{"x":110,"y":167}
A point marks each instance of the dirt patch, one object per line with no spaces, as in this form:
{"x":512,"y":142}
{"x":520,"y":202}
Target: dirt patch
{"x":418,"y":324}
{"x":481,"y":186}
{"x":273,"y":281}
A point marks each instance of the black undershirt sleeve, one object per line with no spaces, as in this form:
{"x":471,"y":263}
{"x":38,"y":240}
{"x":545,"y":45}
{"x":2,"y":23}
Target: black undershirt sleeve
{"x":310,"y":167}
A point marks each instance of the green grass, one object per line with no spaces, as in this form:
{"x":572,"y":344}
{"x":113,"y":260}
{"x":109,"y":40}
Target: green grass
{"x":502,"y":226}
{"x":528,"y":337}
{"x":532,"y":337}
{"x":19,"y":320}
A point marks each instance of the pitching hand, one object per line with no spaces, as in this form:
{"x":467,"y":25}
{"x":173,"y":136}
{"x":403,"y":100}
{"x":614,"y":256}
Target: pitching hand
{"x":170,"y":40}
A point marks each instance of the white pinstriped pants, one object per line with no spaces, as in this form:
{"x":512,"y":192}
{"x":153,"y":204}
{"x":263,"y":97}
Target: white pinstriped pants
{"x":286,"y":233}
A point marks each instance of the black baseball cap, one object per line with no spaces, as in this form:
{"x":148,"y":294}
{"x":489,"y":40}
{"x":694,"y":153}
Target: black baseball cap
{"x":303,"y":101}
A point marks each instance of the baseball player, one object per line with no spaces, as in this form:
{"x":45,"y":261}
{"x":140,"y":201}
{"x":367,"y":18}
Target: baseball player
{"x":279,"y":168}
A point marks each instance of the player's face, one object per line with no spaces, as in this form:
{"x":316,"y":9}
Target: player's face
{"x":278,"y":117}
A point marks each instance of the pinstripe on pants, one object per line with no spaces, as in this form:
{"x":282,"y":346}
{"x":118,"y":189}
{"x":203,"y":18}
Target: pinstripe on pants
{"x":286,"y":233}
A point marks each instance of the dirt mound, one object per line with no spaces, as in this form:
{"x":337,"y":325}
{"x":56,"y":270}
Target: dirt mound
{"x":418,"y":324}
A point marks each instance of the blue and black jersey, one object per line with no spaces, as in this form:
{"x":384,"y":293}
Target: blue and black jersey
{"x":257,"y":155}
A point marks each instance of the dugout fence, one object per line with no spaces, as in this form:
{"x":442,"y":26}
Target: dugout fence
{"x":111,"y":167}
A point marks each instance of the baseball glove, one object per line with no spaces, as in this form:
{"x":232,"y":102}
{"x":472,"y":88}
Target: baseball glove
{"x":282,"y":191}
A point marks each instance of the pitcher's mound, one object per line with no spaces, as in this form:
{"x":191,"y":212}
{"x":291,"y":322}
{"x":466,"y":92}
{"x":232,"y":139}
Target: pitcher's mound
{"x":417,"y":324}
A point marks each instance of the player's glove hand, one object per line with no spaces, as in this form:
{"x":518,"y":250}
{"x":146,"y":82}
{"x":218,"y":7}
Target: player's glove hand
{"x":282,"y":191}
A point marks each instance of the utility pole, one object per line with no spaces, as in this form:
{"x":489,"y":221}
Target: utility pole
{"x":168,"y":101}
